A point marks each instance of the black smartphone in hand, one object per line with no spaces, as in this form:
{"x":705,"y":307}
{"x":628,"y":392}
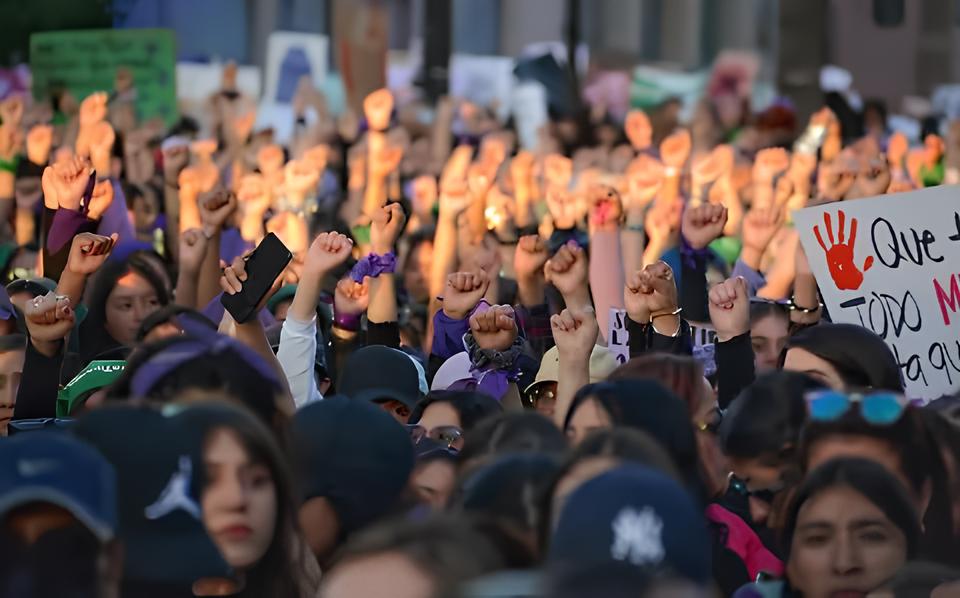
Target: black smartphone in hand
{"x":264,"y":265}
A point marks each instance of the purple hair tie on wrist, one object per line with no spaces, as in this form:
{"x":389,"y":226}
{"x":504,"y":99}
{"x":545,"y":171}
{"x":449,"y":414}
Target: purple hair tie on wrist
{"x":373,"y":266}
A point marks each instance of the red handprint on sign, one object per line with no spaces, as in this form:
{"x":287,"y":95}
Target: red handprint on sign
{"x":839,"y":255}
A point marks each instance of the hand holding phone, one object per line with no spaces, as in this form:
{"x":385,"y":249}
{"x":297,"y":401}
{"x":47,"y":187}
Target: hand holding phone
{"x":247,"y":282}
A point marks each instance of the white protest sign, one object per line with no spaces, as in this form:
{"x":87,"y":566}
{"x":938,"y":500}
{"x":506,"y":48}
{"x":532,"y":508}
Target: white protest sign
{"x":617,"y":337}
{"x":292,"y":55}
{"x":892,"y":264}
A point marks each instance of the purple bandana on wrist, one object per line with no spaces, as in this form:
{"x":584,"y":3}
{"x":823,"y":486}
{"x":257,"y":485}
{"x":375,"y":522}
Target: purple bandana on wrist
{"x":690,"y":255}
{"x":373,"y":266}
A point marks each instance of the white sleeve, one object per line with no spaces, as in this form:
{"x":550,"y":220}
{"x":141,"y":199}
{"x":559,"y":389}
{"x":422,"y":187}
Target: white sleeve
{"x":297,"y":353}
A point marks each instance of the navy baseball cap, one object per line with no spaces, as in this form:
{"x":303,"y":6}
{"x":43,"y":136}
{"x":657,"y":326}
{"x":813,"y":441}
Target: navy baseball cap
{"x":57,"y":469}
{"x":160,"y":520}
{"x":637,"y":516}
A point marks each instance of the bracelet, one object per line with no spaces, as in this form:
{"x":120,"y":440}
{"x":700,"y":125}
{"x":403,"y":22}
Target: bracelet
{"x":792,"y":306}
{"x":675,"y":332}
{"x":347,"y":322}
{"x":374,"y":265}
{"x":665,"y":313}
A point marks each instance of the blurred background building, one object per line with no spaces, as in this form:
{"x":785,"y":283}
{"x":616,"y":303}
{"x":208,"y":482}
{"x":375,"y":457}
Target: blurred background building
{"x":893,"y":48}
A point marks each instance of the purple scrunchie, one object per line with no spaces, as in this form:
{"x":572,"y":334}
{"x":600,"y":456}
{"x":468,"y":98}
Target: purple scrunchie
{"x":373,"y":266}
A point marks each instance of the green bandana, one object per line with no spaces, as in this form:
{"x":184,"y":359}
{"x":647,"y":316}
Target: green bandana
{"x":95,"y":376}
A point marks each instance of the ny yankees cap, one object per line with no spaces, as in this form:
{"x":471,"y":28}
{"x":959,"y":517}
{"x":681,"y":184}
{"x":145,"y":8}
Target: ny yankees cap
{"x":636,"y":516}
{"x":159,"y":507}
{"x":56,"y":469}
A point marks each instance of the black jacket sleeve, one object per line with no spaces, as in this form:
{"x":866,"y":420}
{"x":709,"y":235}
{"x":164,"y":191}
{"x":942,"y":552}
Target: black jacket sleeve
{"x":386,"y":334}
{"x":693,"y":288}
{"x":735,"y":368}
{"x":644,"y":339}
{"x":37,"y":394}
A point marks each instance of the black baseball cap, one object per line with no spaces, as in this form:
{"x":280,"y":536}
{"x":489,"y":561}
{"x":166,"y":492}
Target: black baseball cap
{"x":376,"y":373}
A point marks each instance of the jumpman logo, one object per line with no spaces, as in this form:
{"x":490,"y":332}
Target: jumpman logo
{"x":176,"y":495}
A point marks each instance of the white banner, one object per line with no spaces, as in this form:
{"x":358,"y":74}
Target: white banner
{"x":892,"y":264}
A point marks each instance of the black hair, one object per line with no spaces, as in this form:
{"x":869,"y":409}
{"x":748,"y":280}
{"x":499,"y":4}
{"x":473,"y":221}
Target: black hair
{"x":768,"y":416}
{"x":921,"y":464}
{"x":448,"y":550}
{"x":764,"y":309}
{"x":95,"y":339}
{"x":861,"y":357}
{"x":472,"y":407}
{"x":171,"y":310}
{"x":647,"y":405}
{"x":225,"y":372}
{"x":514,"y":432}
{"x":625,"y":444}
{"x":867,"y":478}
{"x":920,"y":578}
{"x":508,"y":490}
{"x":877,"y":105}
{"x":281,"y":571}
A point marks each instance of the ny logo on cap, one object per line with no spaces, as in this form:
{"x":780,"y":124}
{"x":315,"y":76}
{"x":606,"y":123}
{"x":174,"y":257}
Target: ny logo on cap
{"x":176,"y":495}
{"x":637,"y":537}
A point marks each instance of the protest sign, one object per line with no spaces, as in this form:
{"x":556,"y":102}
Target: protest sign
{"x":83,"y":62}
{"x":617,"y":337}
{"x":290,"y":56}
{"x":892,"y":264}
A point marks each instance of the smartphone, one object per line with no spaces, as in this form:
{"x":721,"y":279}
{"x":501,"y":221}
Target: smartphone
{"x":88,"y":192}
{"x":264,"y":265}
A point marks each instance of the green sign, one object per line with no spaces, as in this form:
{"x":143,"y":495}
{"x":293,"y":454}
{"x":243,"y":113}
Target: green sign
{"x":84,"y":62}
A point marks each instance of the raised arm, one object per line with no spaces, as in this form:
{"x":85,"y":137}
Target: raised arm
{"x":575,"y":333}
{"x":385,"y":229}
{"x":215,"y":208}
{"x":730,"y":314}
{"x":298,"y":337}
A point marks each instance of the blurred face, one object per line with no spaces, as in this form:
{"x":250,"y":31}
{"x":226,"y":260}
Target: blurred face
{"x":441,"y":415}
{"x":130,"y":301}
{"x":320,"y":526}
{"x":281,"y":311}
{"x":417,"y":272}
{"x":11,"y":366}
{"x":805,"y":362}
{"x":385,"y":574}
{"x":396,"y":409}
{"x":145,"y":210}
{"x":581,"y":473}
{"x":239,"y":502}
{"x":768,"y":336}
{"x":843,"y":546}
{"x":760,"y":475}
{"x":590,"y":416}
{"x":433,"y":482}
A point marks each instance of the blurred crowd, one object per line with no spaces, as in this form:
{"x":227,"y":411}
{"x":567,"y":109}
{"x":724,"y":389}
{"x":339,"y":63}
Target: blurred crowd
{"x":599,"y":366}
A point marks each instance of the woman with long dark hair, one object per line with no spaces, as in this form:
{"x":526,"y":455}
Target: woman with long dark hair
{"x":248,"y":501}
{"x":850,"y":527}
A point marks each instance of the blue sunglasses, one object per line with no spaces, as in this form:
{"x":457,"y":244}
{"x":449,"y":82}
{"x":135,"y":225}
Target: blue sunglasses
{"x":880,"y":408}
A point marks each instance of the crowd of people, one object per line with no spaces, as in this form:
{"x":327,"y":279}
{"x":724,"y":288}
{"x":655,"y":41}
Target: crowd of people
{"x":427,"y":403}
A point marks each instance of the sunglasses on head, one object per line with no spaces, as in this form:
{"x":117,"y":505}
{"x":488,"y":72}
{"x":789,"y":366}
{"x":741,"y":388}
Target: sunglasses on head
{"x":878,"y":408}
{"x":443,"y":435}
